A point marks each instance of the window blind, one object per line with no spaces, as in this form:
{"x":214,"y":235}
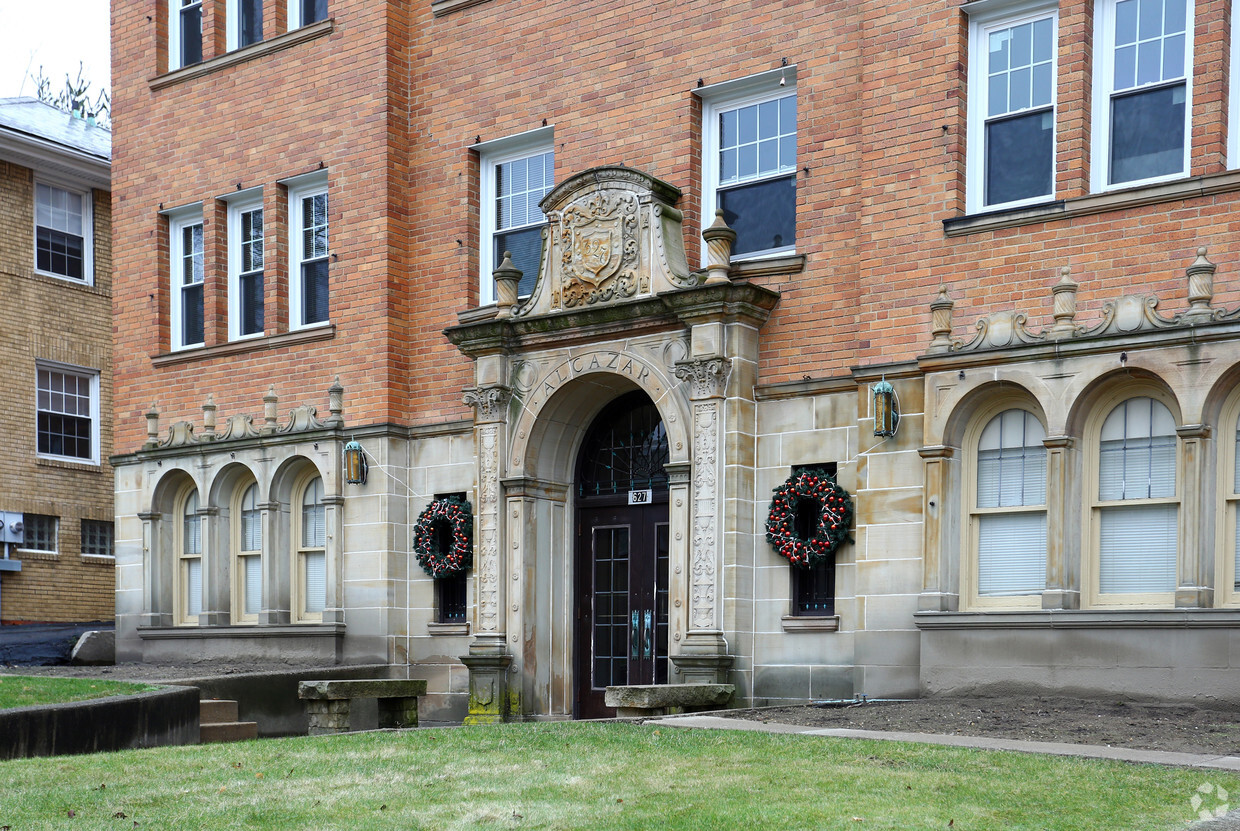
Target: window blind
{"x":1011,"y":554}
{"x":253,"y":584}
{"x":315,"y":588}
{"x":1137,"y":549}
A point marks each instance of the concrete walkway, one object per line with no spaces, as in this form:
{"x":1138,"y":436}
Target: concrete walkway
{"x":1207,"y":761}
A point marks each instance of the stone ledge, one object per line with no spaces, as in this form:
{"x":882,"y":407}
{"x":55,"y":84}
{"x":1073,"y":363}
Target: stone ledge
{"x":1082,"y":619}
{"x":360,"y":688}
{"x":662,"y":699}
{"x":237,"y":56}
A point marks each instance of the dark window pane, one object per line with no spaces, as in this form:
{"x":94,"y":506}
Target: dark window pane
{"x":252,"y":303}
{"x":1147,"y":134}
{"x":58,"y":253}
{"x":62,"y":435}
{"x":314,"y":292}
{"x":813,"y":589}
{"x":526,"y":249}
{"x":1019,"y":155}
{"x":250,"y":26}
{"x":191,"y":314}
{"x":191,"y":35}
{"x":763,"y":214}
{"x":450,"y":600}
{"x":313,"y":11}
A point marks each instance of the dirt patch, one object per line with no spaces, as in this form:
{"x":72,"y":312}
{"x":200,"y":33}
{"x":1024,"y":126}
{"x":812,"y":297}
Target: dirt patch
{"x":1178,"y":727}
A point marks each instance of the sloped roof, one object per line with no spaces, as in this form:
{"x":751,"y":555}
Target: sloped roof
{"x":33,"y":118}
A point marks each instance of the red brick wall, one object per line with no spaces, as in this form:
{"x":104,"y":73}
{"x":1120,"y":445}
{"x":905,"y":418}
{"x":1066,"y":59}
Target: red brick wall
{"x":393,"y":98}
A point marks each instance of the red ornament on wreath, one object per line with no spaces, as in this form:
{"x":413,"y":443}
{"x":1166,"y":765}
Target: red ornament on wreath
{"x":809,"y":518}
{"x":443,"y":537}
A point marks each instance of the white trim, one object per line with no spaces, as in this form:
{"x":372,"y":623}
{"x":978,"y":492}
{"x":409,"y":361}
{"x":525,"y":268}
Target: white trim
{"x":179,"y":219}
{"x":294,"y":15}
{"x":730,"y":95}
{"x":299,"y":188}
{"x":88,"y":229}
{"x":1233,"y":97}
{"x":981,"y":23}
{"x":92,"y":375}
{"x":491,"y":154}
{"x":232,"y":26}
{"x":174,"y":33}
{"x":1104,"y":85}
{"x":241,"y":203}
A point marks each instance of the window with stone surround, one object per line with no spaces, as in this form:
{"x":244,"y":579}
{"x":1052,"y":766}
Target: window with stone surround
{"x":813,"y":588}
{"x":189,"y":559}
{"x":1011,"y":114}
{"x":1143,"y":64}
{"x":515,"y":174}
{"x":247,"y":591}
{"x":67,"y":407}
{"x":62,"y":222}
{"x":184,"y":33}
{"x":310,"y":586}
{"x":749,"y":160}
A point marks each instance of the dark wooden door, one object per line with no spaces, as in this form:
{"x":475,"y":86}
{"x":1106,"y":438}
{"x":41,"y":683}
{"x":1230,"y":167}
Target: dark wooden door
{"x":621,"y":590}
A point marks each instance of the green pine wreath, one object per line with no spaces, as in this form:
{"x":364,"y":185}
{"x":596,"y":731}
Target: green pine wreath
{"x":450,"y":517}
{"x":814,"y":490}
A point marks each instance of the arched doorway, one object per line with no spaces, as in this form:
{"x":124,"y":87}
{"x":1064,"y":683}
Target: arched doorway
{"x":621,"y":557}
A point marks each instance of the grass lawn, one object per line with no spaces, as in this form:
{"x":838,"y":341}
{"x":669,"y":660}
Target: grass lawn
{"x":28,"y":691}
{"x":594,"y":776}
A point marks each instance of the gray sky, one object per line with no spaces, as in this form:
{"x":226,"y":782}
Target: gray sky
{"x":56,"y":34}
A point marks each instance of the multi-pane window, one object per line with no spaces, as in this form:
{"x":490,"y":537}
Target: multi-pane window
{"x":39,"y":532}
{"x":245,"y":267}
{"x":751,"y":152}
{"x":312,"y":551}
{"x":245,"y":22}
{"x":308,"y":252}
{"x":97,"y":539}
{"x":1012,"y":110}
{"x":249,"y":556}
{"x":1009,"y":517}
{"x":450,"y":603}
{"x":1136,"y":507}
{"x":1233,"y":507}
{"x":305,"y":12}
{"x":189,"y":551}
{"x":813,"y":588}
{"x":516,"y":173}
{"x":1142,"y":110}
{"x":60,"y":220}
{"x":67,"y":413}
{"x":184,"y":33}
{"x":186,"y":268}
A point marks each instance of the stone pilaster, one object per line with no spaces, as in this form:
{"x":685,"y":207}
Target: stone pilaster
{"x":1195,"y":571}
{"x":273,"y":567}
{"x":1063,"y":548}
{"x":155,"y":609}
{"x":940,"y":590}
{"x":216,"y":588}
{"x":333,"y":510}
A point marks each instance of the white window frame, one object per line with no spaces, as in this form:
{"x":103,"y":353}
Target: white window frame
{"x":974,"y":514}
{"x":181,"y":607}
{"x":94,"y":555}
{"x":492,"y":154}
{"x":242,"y":555}
{"x":1092,"y":594}
{"x":92,"y":377}
{"x":239,"y":204}
{"x":178,"y":220}
{"x":1104,"y":87}
{"x":1233,"y":97}
{"x":174,"y":34}
{"x":25,"y":545}
{"x":301,"y":550}
{"x":984,"y":18}
{"x":730,"y":95}
{"x":294,"y":14}
{"x":88,"y":230}
{"x":232,"y":33}
{"x":299,"y":188}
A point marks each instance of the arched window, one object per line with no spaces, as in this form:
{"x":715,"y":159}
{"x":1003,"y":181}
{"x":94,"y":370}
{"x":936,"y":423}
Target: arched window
{"x":1227,"y":585}
{"x":1008,"y":513}
{"x":311,"y":566}
{"x":189,"y":556}
{"x":1136,"y":511}
{"x":248,"y":563}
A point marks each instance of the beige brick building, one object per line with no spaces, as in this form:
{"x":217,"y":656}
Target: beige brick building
{"x":56,"y":355}
{"x":314,"y":198}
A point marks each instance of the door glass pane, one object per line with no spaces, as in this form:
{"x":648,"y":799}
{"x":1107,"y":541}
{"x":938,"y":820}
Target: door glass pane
{"x":611,"y":624}
{"x":660,"y":602}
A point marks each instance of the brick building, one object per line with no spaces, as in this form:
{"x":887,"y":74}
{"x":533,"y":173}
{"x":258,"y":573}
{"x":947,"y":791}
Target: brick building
{"x":56,"y":352}
{"x":1012,"y":220}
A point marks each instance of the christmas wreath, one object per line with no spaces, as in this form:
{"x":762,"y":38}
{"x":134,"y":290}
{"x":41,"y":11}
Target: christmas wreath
{"x":443,"y":537}
{"x":825,"y":511}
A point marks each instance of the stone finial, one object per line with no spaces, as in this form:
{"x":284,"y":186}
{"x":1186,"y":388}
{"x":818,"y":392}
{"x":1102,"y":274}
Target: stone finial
{"x":335,"y":403}
{"x":1064,"y":307}
{"x":719,"y":238}
{"x":270,"y":414}
{"x":208,"y":418}
{"x":1200,"y":289}
{"x":152,"y":426}
{"x":507,"y":276}
{"x":941,"y":322}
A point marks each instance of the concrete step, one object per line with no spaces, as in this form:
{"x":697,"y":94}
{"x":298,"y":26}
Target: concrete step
{"x":227,"y":731}
{"x":215,"y":711}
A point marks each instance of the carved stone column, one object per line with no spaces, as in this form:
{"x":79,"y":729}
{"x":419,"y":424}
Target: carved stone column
{"x":489,"y":658}
{"x":333,"y":522}
{"x":940,"y":590}
{"x":1063,"y":550}
{"x":1195,"y":572}
{"x":216,"y":610}
{"x":274,"y":568}
{"x":155,"y":603}
{"x":703,"y":654}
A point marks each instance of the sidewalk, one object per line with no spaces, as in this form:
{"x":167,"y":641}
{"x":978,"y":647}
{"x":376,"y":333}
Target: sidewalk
{"x":1231,"y":822}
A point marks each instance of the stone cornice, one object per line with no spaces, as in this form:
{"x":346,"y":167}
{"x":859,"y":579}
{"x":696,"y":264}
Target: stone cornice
{"x":1082,"y":619}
